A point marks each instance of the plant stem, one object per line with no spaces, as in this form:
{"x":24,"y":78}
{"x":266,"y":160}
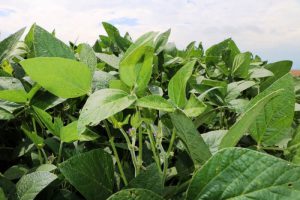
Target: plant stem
{"x":140,"y":156}
{"x":60,"y":151}
{"x":272,"y":148}
{"x":33,"y":91}
{"x":44,"y":154}
{"x":152,"y":144}
{"x":131,"y":149}
{"x":40,"y":156}
{"x":166,"y":161}
{"x":115,"y":152}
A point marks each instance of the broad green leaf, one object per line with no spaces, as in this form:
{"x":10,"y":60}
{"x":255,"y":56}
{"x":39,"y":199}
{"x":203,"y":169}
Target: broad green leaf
{"x":161,"y":41}
{"x":15,"y":172}
{"x":136,"y":64}
{"x":2,"y":194}
{"x":8,"y":187}
{"x":5,"y":115}
{"x":103,"y":104}
{"x":234,"y":89}
{"x":177,"y":84}
{"x":46,"y":168}
{"x":194,"y":107}
{"x":135,"y":194}
{"x":45,"y":100}
{"x":101,"y":80}
{"x":243,"y":174}
{"x":9,"y":43}
{"x":279,"y":69}
{"x":213,"y":139}
{"x":118,"y":84}
{"x":115,"y":36}
{"x":43,"y":44}
{"x":293,"y":147}
{"x":69,"y":133}
{"x":260,"y":73}
{"x":87,"y":56}
{"x":109,"y":59}
{"x":191,"y":138}
{"x":11,"y":89}
{"x":91,"y":173}
{"x":273,"y":123}
{"x":34,"y":137}
{"x":217,"y":51}
{"x":242,"y":125}
{"x":47,"y":120}
{"x":54,"y":74}
{"x":31,"y":184}
{"x":155,"y":102}
{"x":241,"y":63}
{"x":150,"y":179}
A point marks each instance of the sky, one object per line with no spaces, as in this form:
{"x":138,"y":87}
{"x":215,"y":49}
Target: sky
{"x":268,"y":28}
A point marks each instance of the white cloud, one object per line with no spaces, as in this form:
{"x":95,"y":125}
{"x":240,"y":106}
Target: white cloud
{"x":263,"y":27}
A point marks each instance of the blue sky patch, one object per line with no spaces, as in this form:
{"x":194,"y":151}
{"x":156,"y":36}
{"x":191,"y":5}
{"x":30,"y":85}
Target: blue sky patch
{"x":124,"y":21}
{"x":5,"y":12}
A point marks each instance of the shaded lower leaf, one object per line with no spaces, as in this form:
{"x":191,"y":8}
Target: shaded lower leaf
{"x":31,"y":184}
{"x":135,"y":194}
{"x":90,"y":173}
{"x":193,"y":141}
{"x":241,"y":174}
{"x":150,"y":179}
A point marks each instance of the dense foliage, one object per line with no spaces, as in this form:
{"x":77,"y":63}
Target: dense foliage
{"x":141,"y":119}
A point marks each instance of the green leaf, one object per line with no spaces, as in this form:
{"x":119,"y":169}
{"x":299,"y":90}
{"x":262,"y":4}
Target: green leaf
{"x":241,"y":65}
{"x":241,"y":174}
{"x":5,"y":115}
{"x":155,"y":102}
{"x":34,"y":137}
{"x":103,"y":104}
{"x":234,"y":89}
{"x":293,"y":147}
{"x":91,"y":173}
{"x":246,"y":120}
{"x":191,"y":138}
{"x":118,"y":84}
{"x":46,"y":168}
{"x":217,"y":51}
{"x":15,"y":172}
{"x":194,"y":107}
{"x":9,"y":43}
{"x":47,"y":120}
{"x":260,"y":73}
{"x":135,"y":194}
{"x":43,"y":44}
{"x":279,"y":69}
{"x":115,"y":36}
{"x":69,"y":133}
{"x":273,"y":123}
{"x":150,"y":179}
{"x":87,"y":56}
{"x":30,"y":185}
{"x":101,"y":80}
{"x":161,"y":41}
{"x":54,"y":75}
{"x":11,"y":89}
{"x":136,"y":64}
{"x":213,"y":139}
{"x":177,"y":85}
{"x":111,"y":60}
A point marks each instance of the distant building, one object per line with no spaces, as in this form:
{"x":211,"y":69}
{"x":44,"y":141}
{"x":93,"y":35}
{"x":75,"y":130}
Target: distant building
{"x":295,"y":72}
